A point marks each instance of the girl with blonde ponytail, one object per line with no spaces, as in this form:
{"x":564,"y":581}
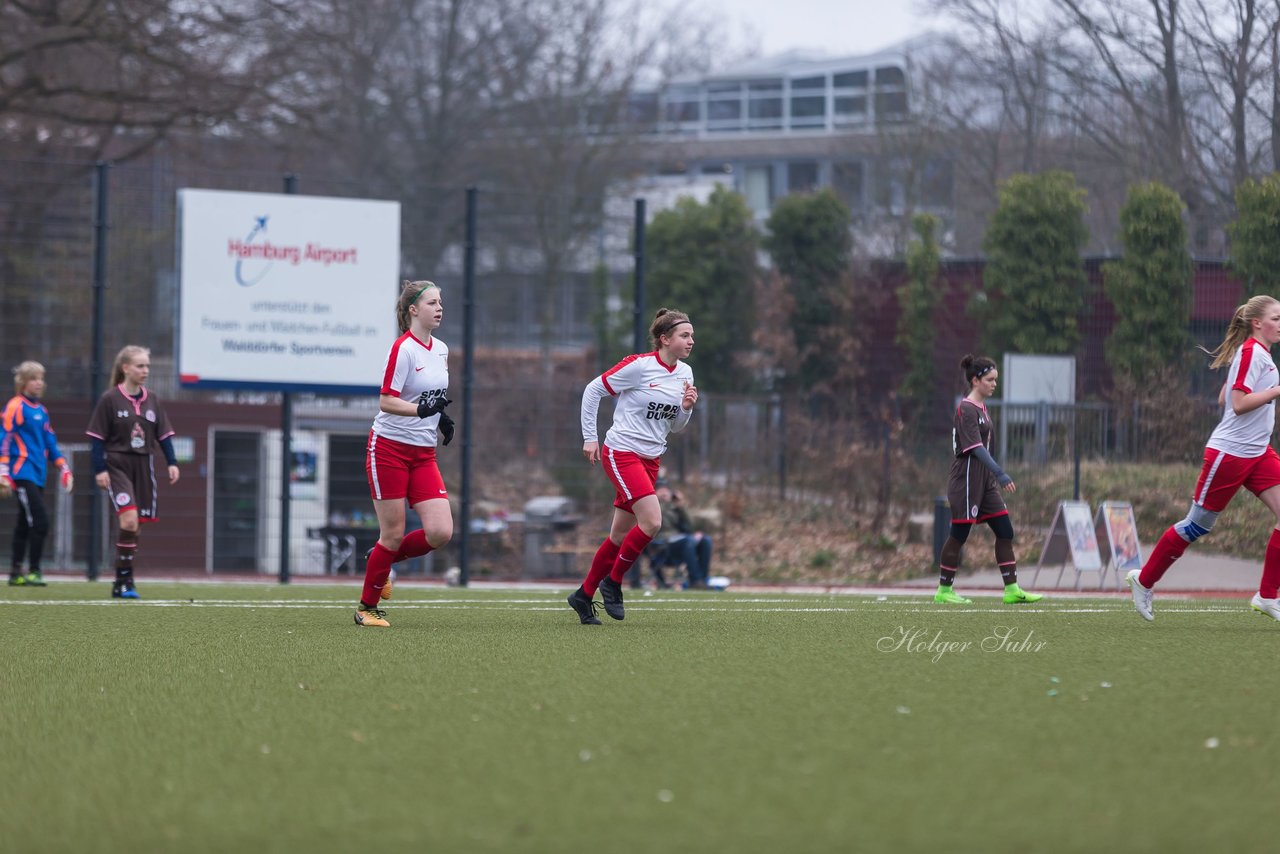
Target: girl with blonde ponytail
{"x":1238,"y":453}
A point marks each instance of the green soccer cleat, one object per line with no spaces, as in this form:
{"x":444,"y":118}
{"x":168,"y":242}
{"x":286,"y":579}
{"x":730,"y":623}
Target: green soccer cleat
{"x":35,"y":579}
{"x":1014,"y":595}
{"x":17,"y":581}
{"x":947,"y":596}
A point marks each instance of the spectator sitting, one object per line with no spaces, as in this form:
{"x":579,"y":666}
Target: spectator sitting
{"x":684,"y":545}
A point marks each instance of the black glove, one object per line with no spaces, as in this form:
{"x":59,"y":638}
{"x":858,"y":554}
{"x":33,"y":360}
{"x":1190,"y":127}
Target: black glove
{"x":426,"y":410}
{"x":446,"y":427}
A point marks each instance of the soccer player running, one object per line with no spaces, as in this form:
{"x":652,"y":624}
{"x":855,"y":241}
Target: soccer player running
{"x":1238,"y":453}
{"x":27,"y":443}
{"x":655,"y":397}
{"x":973,"y":489}
{"x":127,"y":425}
{"x":400,"y":460}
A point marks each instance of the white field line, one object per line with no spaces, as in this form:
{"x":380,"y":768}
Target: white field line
{"x":682,"y":605}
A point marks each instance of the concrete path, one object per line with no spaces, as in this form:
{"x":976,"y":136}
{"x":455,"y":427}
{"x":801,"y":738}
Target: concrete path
{"x":1194,"y":572}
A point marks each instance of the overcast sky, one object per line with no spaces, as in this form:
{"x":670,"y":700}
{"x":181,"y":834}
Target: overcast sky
{"x":835,"y":26}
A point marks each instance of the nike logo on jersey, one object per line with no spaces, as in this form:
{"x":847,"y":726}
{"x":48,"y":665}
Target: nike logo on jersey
{"x":418,"y":369}
{"x":653,"y":385}
{"x":442,"y":492}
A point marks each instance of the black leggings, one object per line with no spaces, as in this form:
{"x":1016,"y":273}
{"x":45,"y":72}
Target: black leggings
{"x":1001,"y":526}
{"x":32,"y":527}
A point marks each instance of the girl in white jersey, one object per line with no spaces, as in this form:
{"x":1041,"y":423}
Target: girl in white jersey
{"x":400,"y":460}
{"x":1238,"y":453}
{"x":655,"y":396}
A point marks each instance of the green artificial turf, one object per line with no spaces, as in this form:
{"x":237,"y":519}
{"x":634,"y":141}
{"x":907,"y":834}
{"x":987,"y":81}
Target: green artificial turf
{"x":223,"y":718}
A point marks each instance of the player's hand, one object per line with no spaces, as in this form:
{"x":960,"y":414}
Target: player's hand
{"x":591,"y":450}
{"x":103,"y":480}
{"x":173,"y":475}
{"x":690,"y":396}
{"x":1010,"y":486}
{"x":445,"y":427}
{"x":6,"y":482}
{"x":426,"y":410}
{"x":68,"y":481}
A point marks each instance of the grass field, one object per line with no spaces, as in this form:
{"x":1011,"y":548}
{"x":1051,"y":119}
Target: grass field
{"x":259,"y":718}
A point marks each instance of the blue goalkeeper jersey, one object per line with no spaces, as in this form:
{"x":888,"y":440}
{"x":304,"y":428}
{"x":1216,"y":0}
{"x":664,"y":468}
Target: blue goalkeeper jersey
{"x":28,"y":441}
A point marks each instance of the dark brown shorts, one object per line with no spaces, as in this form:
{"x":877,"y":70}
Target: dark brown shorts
{"x":133,"y":484}
{"x":973,"y":493}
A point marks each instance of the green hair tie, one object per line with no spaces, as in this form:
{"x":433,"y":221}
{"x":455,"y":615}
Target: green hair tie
{"x":420,"y":293}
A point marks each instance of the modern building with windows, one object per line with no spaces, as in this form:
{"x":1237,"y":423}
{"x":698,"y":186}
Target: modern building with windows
{"x":798,"y":122}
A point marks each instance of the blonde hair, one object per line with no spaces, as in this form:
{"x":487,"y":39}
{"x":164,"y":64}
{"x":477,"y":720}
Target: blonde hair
{"x":408,"y":296}
{"x":126,"y":355}
{"x":25,"y":373}
{"x":664,"y":321}
{"x":1239,"y":329}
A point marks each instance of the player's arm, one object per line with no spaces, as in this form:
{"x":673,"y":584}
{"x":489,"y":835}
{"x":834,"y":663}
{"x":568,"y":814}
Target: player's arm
{"x":595,"y":392}
{"x":982,"y":455}
{"x":1246,"y":401}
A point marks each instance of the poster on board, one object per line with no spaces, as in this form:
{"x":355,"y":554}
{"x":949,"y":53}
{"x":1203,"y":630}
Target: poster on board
{"x":285,"y":292}
{"x":1118,"y":532}
{"x":1072,"y":539}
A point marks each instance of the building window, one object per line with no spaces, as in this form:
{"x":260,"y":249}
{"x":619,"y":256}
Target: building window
{"x":891,"y":93}
{"x":850,"y":80}
{"x":774,"y":85}
{"x":850,"y":109}
{"x":765,"y":113}
{"x":936,"y":183}
{"x":809,"y":82}
{"x":809,"y":111}
{"x":802,"y":177}
{"x":757,"y":187}
{"x":846,"y":181}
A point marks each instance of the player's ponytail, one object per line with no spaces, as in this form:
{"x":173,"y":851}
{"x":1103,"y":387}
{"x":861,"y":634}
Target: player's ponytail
{"x":1239,"y":330}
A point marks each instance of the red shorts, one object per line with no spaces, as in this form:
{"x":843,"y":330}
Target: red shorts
{"x":398,"y":470}
{"x":1222,"y":475}
{"x":633,"y":476}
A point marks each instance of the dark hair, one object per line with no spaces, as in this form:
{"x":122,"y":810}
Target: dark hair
{"x":975,"y":367}
{"x":409,"y":293}
{"x":664,"y":321}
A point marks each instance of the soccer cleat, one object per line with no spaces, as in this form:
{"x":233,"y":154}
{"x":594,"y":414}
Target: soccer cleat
{"x":1013,"y":595}
{"x":1141,"y":595}
{"x":35,"y":579}
{"x":17,"y":581}
{"x":611,"y":593}
{"x":1270,"y":607}
{"x":585,"y":606}
{"x":128,"y":591}
{"x":947,"y":596}
{"x":371,"y":616}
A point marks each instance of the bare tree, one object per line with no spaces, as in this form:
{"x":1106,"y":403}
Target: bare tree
{"x":112,"y":77}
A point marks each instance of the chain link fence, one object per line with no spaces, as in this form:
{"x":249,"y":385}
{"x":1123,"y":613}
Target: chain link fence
{"x":553,"y":308}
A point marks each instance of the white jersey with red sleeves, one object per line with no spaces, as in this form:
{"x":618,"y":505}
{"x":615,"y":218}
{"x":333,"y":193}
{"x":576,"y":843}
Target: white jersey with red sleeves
{"x":1247,"y":435}
{"x":412,"y":368}
{"x":647,"y":408}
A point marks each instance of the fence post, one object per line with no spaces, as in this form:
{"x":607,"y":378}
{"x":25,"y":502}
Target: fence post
{"x":101,"y":186}
{"x":638,"y":325}
{"x":468,"y":378}
{"x":286,"y":447}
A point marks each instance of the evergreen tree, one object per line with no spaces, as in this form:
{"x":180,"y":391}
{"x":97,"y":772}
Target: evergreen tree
{"x":1034,"y":282}
{"x":1255,"y":235}
{"x":917,"y":299}
{"x":1150,"y":287}
{"x":702,"y":261}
